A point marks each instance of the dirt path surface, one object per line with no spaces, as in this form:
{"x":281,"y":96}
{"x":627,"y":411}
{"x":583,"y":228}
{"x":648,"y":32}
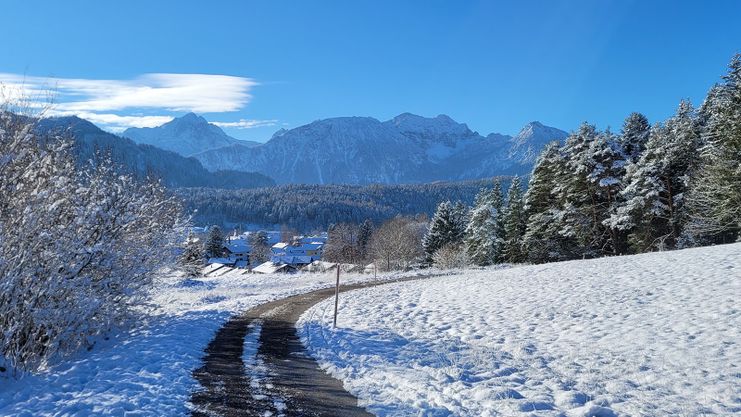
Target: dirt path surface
{"x":290,"y":381}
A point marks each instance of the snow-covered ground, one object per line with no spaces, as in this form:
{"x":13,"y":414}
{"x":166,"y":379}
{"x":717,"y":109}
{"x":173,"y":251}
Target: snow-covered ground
{"x":147,"y":371}
{"x":648,"y":335}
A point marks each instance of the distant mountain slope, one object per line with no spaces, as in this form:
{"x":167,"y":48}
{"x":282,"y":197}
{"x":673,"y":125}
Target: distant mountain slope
{"x":352,"y":150}
{"x":363,"y":150}
{"x":142,"y":160}
{"x":185,"y":135}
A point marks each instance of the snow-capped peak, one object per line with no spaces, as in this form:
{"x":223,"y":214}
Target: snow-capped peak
{"x":185,"y":135}
{"x":191,"y":117}
{"x":531,"y":139}
{"x":441,"y":125}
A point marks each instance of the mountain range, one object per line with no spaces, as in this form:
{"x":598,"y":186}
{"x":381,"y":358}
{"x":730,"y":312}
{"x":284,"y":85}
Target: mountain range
{"x":360,"y":150}
{"x":141,"y":160}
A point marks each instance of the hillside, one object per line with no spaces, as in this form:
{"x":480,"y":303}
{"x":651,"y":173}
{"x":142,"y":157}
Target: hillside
{"x":653,"y":334}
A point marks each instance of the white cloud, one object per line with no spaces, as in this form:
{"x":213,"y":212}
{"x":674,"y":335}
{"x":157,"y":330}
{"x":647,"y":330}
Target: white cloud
{"x":201,"y":93}
{"x":246,"y":123}
{"x":110,"y":103}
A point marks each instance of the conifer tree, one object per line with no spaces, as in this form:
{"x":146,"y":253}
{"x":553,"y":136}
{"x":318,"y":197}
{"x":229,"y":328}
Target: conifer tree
{"x":634,"y":136}
{"x":714,"y":200}
{"x":460,"y":217}
{"x":578,"y":219}
{"x":654,"y":209}
{"x":365,"y":233}
{"x":542,"y":240}
{"x":482,"y":238}
{"x":607,"y":176}
{"x":497,"y":201}
{"x":515,"y":224}
{"x":214,"y":245}
{"x":447,"y":227}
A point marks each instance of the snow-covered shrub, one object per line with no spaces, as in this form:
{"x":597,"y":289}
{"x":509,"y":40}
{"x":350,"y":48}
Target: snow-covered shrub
{"x":450,"y":256}
{"x":78,"y":247}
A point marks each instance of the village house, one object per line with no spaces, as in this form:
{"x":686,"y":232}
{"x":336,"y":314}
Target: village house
{"x":297,"y":254}
{"x":238,"y":249}
{"x":302,"y":251}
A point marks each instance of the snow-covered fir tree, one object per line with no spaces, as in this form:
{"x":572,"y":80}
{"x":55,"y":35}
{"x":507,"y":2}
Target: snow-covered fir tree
{"x":482,"y":236}
{"x":515,"y":224}
{"x":607,"y":175}
{"x":542,"y":240}
{"x":213,"y":247}
{"x":365,"y":234}
{"x":497,"y":201}
{"x":714,"y":199}
{"x":447,"y":227}
{"x":654,"y":211}
{"x":461,"y":215}
{"x":578,"y":219}
{"x":634,"y":136}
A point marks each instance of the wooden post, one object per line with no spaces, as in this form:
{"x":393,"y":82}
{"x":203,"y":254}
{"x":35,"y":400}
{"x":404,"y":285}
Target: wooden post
{"x":336,"y":296}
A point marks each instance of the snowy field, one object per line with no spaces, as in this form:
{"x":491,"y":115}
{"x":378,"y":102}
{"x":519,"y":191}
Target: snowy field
{"x":147,"y":371}
{"x":647,"y":335}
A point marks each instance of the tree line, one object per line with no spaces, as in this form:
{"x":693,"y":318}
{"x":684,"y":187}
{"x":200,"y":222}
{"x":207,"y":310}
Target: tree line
{"x":669,"y":185}
{"x":308,"y":207}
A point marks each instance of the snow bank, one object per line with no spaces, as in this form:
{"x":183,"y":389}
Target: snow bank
{"x":645,"y":335}
{"x":147,"y":371}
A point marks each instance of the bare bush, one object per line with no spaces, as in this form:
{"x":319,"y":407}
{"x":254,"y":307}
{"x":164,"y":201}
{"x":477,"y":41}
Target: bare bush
{"x":397,"y":243}
{"x":450,"y":256}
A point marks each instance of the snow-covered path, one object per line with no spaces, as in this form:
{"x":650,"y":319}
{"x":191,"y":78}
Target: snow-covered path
{"x":148,"y":371}
{"x":646,"y":335}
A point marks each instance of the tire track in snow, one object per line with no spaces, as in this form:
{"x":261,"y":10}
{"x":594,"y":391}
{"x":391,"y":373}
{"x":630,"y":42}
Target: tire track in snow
{"x":290,"y":380}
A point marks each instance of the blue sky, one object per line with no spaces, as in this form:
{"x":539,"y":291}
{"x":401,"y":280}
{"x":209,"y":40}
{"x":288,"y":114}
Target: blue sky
{"x":254,"y":67}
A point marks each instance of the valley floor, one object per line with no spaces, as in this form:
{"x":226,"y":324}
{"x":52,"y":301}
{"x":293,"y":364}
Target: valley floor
{"x":647,"y":335}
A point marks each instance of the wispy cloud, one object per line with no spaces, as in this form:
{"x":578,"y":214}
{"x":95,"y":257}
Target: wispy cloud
{"x":201,"y":93}
{"x":118,"y":104}
{"x":246,"y":123}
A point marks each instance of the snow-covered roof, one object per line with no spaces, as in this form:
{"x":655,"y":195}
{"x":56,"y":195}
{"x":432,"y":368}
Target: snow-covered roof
{"x":320,"y":266}
{"x":238,"y":246}
{"x":271,"y":268}
{"x":293,"y":259}
{"x":310,"y":246}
